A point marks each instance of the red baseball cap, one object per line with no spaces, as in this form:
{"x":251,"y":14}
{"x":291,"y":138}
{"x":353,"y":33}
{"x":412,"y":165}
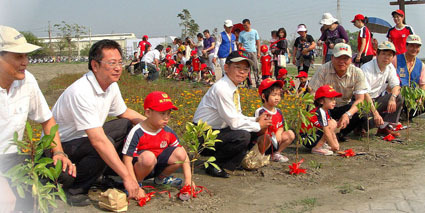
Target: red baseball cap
{"x":302,"y":74}
{"x":282,"y":72}
{"x":145,"y":36}
{"x":264,"y":48}
{"x":327,"y":92}
{"x":400,"y":12}
{"x":358,"y":17}
{"x":203,"y":66}
{"x":167,"y":49}
{"x":268,"y":82}
{"x":159,"y":101}
{"x":194,"y":52}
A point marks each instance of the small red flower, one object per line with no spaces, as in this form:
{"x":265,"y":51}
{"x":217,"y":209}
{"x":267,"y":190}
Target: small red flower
{"x":349,"y":153}
{"x":142,"y":201}
{"x":295,"y":168}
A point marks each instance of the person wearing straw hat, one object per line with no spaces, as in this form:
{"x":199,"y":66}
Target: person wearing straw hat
{"x":347,"y":79}
{"x":21,"y":99}
{"x":225,"y":44}
{"x":380,"y":74}
{"x":333,"y":33}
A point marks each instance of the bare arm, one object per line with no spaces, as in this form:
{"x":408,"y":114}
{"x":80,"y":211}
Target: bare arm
{"x":359,"y":55}
{"x":128,"y":162}
{"x":133,"y":116}
{"x":57,"y":149}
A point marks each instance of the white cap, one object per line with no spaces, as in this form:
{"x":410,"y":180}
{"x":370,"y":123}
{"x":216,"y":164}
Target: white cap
{"x":414,"y":39}
{"x":386,"y":45}
{"x":342,"y":49}
{"x":301,"y":28}
{"x":327,"y":19}
{"x":228,"y":23}
{"x":13,"y":41}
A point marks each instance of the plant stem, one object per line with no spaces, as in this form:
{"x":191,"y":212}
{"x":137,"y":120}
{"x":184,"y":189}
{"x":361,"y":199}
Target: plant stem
{"x":408,"y":125}
{"x":368,"y":141}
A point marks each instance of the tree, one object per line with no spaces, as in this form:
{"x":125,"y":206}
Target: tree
{"x":352,"y":36}
{"x":190,"y":27}
{"x":69,"y":31}
{"x":33,"y":39}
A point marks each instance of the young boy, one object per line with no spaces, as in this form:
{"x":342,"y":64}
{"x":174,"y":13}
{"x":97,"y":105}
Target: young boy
{"x":196,"y":64}
{"x":303,"y":88}
{"x":270,"y":92}
{"x":266,"y":63}
{"x":287,"y":86}
{"x":324,"y":101}
{"x":152,"y":149}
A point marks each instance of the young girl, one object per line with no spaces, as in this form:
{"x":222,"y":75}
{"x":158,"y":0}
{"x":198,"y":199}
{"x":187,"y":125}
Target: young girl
{"x":398,"y":34}
{"x":364,"y":41}
{"x":270,"y":92}
{"x":326,"y":140}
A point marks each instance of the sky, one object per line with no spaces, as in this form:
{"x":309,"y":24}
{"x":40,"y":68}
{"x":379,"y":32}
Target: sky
{"x":159,"y":17}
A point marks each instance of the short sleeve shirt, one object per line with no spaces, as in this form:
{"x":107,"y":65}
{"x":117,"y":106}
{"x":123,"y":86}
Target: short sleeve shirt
{"x":351,"y":83}
{"x":399,"y":37}
{"x":23,"y":101}
{"x":249,"y":39}
{"x":139,"y":140}
{"x":84,"y":105}
{"x":151,"y":55}
{"x":277,"y":118}
{"x":208,"y":43}
{"x":377,"y":80}
{"x":266,"y":65}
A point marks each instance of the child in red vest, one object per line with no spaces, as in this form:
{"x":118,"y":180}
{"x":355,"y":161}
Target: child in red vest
{"x":266,"y":63}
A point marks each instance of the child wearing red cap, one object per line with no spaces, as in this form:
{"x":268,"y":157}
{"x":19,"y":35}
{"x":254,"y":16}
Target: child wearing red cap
{"x":288,"y":84}
{"x":152,"y":149}
{"x":266,"y":63}
{"x":326,"y":139}
{"x":196,"y":65}
{"x":303,"y":88}
{"x":270,"y":92}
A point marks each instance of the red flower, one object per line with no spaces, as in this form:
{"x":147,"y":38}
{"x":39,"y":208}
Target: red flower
{"x":142,"y":201}
{"x":349,"y":153}
{"x":295,"y":168}
{"x":389,"y":137}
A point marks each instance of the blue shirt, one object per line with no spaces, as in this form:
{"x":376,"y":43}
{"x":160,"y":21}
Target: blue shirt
{"x":248,"y":40}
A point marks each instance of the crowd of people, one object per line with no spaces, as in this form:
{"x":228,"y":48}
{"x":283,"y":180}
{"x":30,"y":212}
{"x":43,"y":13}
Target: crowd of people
{"x":137,"y":147}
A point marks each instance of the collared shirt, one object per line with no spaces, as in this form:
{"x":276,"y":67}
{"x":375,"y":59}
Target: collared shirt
{"x":84,"y":105}
{"x":377,"y":80}
{"x":219,"y":111}
{"x":23,"y":101}
{"x":151,"y":56}
{"x":351,"y":83}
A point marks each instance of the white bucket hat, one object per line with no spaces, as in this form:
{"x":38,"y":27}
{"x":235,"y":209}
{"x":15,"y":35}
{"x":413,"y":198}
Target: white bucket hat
{"x":228,"y":23}
{"x":327,"y":19}
{"x":13,"y":41}
{"x":301,"y":28}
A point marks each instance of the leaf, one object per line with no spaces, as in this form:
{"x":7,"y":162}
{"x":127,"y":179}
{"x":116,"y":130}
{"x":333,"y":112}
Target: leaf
{"x":29,"y":130}
{"x":45,"y":160}
{"x":58,"y":169}
{"x":206,"y":165}
{"x":179,"y":162}
{"x":215,"y":166}
{"x":20,"y":191}
{"x":61,"y":193}
{"x":211,"y":159}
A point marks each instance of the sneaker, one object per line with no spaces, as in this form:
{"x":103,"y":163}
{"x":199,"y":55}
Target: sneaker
{"x":170,"y":180}
{"x":321,"y":151}
{"x":326,"y":146}
{"x":277,"y":157}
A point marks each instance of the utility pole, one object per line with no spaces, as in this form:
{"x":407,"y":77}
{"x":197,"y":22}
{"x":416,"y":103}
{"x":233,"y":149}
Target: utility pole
{"x":50,"y":35}
{"x":338,"y":11}
{"x":89,"y":36}
{"x":401,"y":4}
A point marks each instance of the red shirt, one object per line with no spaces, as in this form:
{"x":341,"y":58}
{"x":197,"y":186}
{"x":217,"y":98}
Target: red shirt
{"x":319,"y":119}
{"x":266,"y":65}
{"x":398,"y":37}
{"x":365,"y":33}
{"x":196,"y":64}
{"x":139,"y":139}
{"x":277,"y":118}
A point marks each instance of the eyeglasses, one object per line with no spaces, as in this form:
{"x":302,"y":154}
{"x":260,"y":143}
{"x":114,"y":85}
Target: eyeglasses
{"x":113,"y":64}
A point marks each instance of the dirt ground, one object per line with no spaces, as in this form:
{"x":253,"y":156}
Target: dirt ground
{"x":331,"y":182}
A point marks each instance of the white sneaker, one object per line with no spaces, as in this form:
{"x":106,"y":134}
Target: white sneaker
{"x":277,"y":157}
{"x":321,"y":151}
{"x":326,"y":146}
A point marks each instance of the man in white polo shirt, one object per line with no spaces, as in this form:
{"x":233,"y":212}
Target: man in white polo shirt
{"x":81,"y":112}
{"x":151,"y":59}
{"x":381,"y":74}
{"x":20,"y":99}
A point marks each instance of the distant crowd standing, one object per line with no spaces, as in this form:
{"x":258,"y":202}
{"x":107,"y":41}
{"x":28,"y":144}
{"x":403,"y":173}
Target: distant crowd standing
{"x":137,"y":147}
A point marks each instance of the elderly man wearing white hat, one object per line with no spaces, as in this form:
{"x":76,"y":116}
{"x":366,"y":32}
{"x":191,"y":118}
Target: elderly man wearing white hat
{"x":380,"y":74}
{"x":332,"y":34}
{"x":21,"y":99}
{"x":347,"y":79}
{"x":224,"y":45}
{"x":410,"y":68}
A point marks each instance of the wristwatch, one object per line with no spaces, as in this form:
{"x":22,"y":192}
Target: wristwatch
{"x":395,"y":96}
{"x":349,"y":114}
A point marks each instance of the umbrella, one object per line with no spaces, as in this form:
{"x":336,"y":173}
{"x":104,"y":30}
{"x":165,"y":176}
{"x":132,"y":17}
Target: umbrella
{"x":377,"y":25}
{"x":237,"y":26}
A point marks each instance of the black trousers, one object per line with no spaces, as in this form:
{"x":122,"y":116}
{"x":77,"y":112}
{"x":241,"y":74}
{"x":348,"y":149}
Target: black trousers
{"x":90,"y":165}
{"x":233,"y":148}
{"x":355,"y":121}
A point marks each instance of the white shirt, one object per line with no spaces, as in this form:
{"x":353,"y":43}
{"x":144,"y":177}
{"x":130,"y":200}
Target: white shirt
{"x":151,"y":55}
{"x":377,"y":80}
{"x":219,"y":111}
{"x":23,"y":101}
{"x":84,"y":105}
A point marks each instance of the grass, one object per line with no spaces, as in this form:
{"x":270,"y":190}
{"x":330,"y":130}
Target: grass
{"x":299,"y":206}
